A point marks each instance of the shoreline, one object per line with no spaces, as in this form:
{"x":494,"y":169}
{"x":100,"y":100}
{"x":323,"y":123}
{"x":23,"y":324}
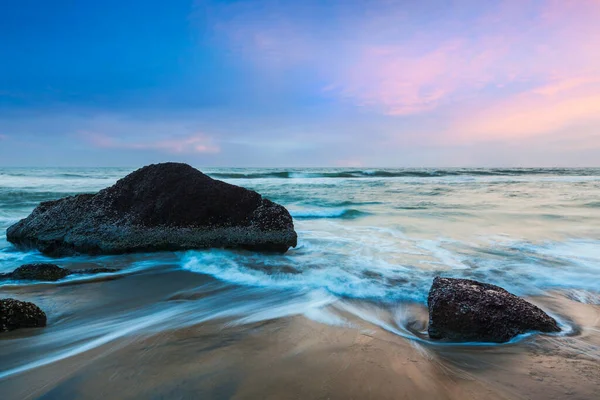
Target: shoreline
{"x":294,"y":357}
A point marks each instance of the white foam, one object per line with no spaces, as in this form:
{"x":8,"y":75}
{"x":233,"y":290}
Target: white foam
{"x":119,"y":330}
{"x":310,"y":303}
{"x":241,"y":305}
{"x":324,"y":316}
{"x":324,"y":213}
{"x":231,"y":267}
{"x":445,"y":257}
{"x":583,"y":296}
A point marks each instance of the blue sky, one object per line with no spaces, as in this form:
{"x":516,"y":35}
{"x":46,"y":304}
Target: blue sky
{"x":311,"y":83}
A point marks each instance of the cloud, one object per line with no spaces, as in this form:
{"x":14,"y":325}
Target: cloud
{"x":197,"y":143}
{"x":462,"y":73}
{"x":312,"y":83}
{"x":401,"y":80}
{"x":3,"y":137}
{"x":400,"y":59}
{"x":379,"y":59}
{"x":561,"y":105}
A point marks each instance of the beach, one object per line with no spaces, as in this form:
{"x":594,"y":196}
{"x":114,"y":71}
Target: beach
{"x":341,"y":316}
{"x":295,"y":357}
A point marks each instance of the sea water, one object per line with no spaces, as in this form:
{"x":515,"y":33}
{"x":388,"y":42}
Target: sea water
{"x":368,"y":240}
{"x":382,"y":234}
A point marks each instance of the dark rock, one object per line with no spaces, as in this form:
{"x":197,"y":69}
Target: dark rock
{"x":467,"y":310}
{"x":49,"y":272}
{"x":39,"y":272}
{"x":160,"y":207}
{"x":15,"y":314}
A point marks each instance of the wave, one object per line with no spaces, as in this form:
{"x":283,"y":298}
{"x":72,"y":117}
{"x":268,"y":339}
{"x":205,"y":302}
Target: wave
{"x":583,"y":296}
{"x":344,"y":213}
{"x":239,"y":175}
{"x":592,"y":204}
{"x":409,"y":173}
{"x":415,"y":207}
{"x":407,"y":323}
{"x":237,"y":306}
{"x":246,"y":270}
{"x":371,"y":264}
{"x":357,"y":203}
{"x":28,"y":198}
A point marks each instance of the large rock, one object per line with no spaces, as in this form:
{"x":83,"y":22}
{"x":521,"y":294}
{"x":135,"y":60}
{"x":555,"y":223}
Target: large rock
{"x":467,"y":310}
{"x":15,"y":314}
{"x":160,"y":207}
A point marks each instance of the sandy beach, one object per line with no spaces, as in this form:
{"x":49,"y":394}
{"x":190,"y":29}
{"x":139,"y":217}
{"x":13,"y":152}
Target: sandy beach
{"x":292,"y":357}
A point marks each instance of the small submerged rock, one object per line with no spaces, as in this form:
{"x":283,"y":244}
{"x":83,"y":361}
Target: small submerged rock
{"x":49,"y":272}
{"x":15,"y":314}
{"x":467,"y":310}
{"x":161,"y":207}
{"x":40,"y":272}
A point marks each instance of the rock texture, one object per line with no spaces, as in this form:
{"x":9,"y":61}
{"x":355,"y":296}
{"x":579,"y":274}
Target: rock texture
{"x":467,"y":310}
{"x":39,"y":272}
{"x":160,"y":207}
{"x":49,"y":272}
{"x":15,"y":314}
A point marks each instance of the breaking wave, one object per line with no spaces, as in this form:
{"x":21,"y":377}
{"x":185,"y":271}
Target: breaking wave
{"x":345,"y":213}
{"x":398,"y":173}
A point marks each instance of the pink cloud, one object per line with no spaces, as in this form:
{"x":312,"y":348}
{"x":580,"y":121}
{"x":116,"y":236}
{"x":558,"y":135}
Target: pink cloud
{"x":404,"y":80}
{"x":197,"y":143}
{"x":564,"y":61}
{"x":522,"y":43}
{"x":382,"y":61}
{"x":550,"y":108}
{"x":371,"y":60}
{"x":562,"y":86}
{"x":476,"y":72}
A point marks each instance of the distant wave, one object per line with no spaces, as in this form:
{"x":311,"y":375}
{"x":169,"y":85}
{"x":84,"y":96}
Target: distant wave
{"x":356,"y":203}
{"x":415,"y":207}
{"x":32,"y":195}
{"x":73,"y":175}
{"x":257,"y":175}
{"x":414,"y":173}
{"x":592,"y":204}
{"x":345,"y":213}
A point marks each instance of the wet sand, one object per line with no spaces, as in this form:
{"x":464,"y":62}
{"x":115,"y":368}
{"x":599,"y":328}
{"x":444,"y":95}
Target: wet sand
{"x":290,"y":357}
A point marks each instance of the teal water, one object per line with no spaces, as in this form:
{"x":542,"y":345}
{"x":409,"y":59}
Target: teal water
{"x":383,"y":234}
{"x":373,"y":237}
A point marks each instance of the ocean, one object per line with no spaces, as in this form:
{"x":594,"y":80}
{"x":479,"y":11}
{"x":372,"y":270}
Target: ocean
{"x":370,"y":243}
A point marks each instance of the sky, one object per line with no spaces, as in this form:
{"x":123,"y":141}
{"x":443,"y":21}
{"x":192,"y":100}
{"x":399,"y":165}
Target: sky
{"x":312,"y":83}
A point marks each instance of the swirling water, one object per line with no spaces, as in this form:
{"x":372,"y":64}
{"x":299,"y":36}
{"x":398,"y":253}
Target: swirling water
{"x":375,"y":236}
